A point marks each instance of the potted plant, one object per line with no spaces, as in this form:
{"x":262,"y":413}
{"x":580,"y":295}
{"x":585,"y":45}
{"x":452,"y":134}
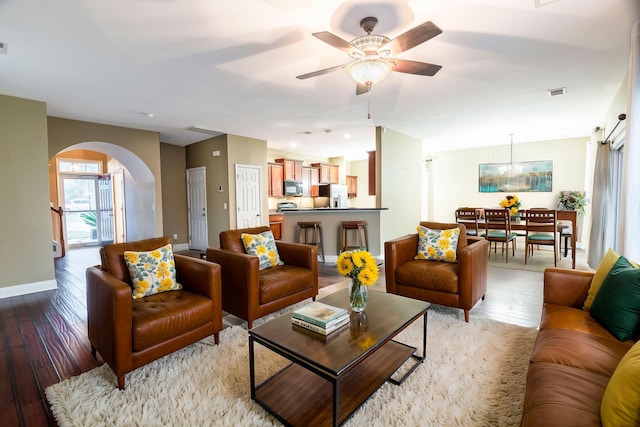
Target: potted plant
{"x":572,"y":201}
{"x":91,"y":219}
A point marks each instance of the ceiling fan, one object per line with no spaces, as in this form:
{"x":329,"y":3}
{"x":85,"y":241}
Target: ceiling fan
{"x":372,"y":54}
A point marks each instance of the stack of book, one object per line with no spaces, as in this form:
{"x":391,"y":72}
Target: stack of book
{"x":320,"y":317}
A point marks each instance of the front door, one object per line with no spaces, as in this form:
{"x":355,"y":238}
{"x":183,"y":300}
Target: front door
{"x":248,"y":196}
{"x":197,"y":208}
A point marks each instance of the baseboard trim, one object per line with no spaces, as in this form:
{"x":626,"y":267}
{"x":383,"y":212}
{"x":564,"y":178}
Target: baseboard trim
{"x":181,"y":247}
{"x":28,"y":288}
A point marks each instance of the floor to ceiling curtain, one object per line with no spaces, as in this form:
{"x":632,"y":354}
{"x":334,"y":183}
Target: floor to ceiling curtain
{"x":630,"y":219}
{"x":600,"y":210}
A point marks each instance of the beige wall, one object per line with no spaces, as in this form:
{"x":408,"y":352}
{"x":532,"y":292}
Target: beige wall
{"x":253,"y":152}
{"x":399,"y":162}
{"x":174,"y":192}
{"x":360,"y":168}
{"x":220,"y":172}
{"x":200,"y":154}
{"x":119,"y":142}
{"x":26,"y":251}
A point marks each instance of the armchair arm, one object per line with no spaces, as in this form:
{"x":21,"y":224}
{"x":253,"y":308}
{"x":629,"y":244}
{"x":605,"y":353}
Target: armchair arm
{"x":109,"y":318}
{"x":566,"y":287}
{"x":473,"y":263}
{"x":397,"y":252}
{"x":199,"y":276}
{"x":240,"y":281}
{"x":298,"y":254}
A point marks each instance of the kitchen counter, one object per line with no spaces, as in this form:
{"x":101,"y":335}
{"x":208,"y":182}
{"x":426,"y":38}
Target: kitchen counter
{"x":331,"y":218}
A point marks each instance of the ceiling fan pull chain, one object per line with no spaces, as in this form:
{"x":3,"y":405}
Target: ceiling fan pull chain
{"x":369,"y":104}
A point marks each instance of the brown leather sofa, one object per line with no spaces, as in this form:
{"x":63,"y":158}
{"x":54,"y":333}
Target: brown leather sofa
{"x":250,"y":293}
{"x":460,"y":284}
{"x":573,"y":357}
{"x":130,"y":333}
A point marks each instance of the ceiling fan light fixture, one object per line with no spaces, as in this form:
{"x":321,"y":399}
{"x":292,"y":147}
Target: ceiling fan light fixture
{"x":369,"y":71}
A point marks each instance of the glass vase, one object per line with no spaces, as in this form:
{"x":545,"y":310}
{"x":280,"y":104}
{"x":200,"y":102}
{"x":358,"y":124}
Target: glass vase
{"x":358,"y":295}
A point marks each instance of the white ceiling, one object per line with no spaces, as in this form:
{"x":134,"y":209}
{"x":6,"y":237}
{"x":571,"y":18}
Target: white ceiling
{"x":230,"y":66}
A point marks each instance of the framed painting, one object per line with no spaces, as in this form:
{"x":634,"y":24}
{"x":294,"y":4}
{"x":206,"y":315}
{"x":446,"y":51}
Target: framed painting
{"x":516,"y":177}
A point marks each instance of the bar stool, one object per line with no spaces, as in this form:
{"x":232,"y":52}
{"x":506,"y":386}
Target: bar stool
{"x":315,"y":229}
{"x":362,"y":234}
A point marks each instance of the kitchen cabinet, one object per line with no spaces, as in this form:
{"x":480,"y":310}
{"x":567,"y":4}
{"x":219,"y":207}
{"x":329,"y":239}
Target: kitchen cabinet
{"x":352,"y":186}
{"x":276,"y":223}
{"x":275,"y":179}
{"x":310,"y":181}
{"x":329,"y":174}
{"x":292,"y":169}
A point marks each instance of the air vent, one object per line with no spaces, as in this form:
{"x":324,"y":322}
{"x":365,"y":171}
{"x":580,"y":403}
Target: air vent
{"x":3,"y":48}
{"x":556,"y":92}
{"x":204,"y":130}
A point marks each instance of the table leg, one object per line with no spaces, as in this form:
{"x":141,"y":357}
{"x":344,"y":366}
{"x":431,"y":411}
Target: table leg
{"x":252,"y":373}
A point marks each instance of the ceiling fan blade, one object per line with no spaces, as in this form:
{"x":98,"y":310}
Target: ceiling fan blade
{"x":411,"y":38}
{"x":321,"y":72}
{"x":360,"y":88}
{"x":338,"y":43}
{"x":415,"y":67}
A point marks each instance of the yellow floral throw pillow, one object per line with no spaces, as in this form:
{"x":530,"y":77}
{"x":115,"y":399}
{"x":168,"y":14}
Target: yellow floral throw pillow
{"x":152,"y":272}
{"x":437,"y":245}
{"x":263,"y":246}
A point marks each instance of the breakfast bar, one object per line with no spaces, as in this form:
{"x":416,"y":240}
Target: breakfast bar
{"x":331,"y":219}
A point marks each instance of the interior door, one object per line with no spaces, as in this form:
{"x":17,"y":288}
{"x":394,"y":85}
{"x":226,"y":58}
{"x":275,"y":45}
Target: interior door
{"x":248,"y":196}
{"x":105,"y":208}
{"x":197,"y":208}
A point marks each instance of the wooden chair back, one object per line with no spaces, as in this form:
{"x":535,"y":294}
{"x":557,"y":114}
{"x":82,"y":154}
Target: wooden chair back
{"x":541,"y":227}
{"x":497,"y":225}
{"x":469,"y":217}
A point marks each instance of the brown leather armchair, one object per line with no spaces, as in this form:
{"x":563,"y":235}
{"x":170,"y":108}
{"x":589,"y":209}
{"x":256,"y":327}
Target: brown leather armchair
{"x":250,"y":293}
{"x":460,"y":284}
{"x":130,"y":333}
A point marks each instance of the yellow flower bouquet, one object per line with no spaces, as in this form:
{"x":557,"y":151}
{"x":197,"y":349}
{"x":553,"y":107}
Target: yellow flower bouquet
{"x":362,"y":268}
{"x":512,"y":203}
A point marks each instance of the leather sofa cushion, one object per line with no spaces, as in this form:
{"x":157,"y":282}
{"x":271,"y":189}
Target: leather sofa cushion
{"x":562,"y":396}
{"x":284,"y":280}
{"x":158,"y":318}
{"x":432,"y":275}
{"x":579,"y":350}
{"x":563,"y":317}
{"x":112,"y":256}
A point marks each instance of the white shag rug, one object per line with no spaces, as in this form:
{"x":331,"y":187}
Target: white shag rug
{"x":474,"y":375}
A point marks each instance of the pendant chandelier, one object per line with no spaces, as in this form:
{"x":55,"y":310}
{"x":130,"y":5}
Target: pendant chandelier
{"x":510,"y":170}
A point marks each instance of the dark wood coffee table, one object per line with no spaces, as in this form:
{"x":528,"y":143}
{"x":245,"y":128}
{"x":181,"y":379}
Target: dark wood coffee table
{"x":330,"y":377}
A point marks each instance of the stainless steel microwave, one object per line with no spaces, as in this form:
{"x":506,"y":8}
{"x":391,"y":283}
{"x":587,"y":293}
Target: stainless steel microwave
{"x":292,"y":188}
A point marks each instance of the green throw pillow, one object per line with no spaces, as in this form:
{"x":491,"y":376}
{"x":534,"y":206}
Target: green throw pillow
{"x":616,"y":306}
{"x":437,"y":245}
{"x":263,"y":246}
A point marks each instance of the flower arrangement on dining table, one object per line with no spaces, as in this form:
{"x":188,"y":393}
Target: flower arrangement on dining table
{"x":512,"y":203}
{"x":362,"y":268}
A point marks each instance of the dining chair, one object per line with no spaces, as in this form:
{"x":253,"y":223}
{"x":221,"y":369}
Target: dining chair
{"x":541,"y":227}
{"x":498,"y":229}
{"x":469,"y":217}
